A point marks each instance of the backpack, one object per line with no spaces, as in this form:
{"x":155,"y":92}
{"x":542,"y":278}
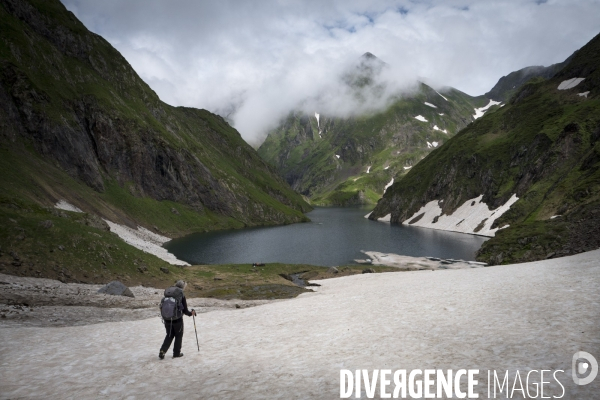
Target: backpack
{"x":171,"y":305}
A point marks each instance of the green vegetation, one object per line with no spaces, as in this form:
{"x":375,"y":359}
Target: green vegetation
{"x":386,"y":141}
{"x":542,"y":146}
{"x":77,"y":247}
{"x":79,"y":124}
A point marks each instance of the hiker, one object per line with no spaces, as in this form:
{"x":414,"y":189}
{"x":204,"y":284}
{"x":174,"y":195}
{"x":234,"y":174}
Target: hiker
{"x":172,"y":307}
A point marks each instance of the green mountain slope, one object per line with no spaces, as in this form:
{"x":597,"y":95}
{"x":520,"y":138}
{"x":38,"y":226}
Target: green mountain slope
{"x":77,"y":123}
{"x":508,"y":85}
{"x":346,"y":161}
{"x":543,"y":146}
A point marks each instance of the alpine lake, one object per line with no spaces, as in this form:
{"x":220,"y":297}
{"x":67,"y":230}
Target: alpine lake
{"x":335,"y":236}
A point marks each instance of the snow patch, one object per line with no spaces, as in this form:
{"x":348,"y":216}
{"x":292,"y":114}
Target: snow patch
{"x":555,"y":216}
{"x":387,"y":167}
{"x":390,"y":183}
{"x":441,"y":114}
{"x":430,"y":105}
{"x":145,"y":240}
{"x":584,"y":94}
{"x":436,"y":128}
{"x":421,"y":118}
{"x":65,"y":205}
{"x":338,"y":156}
{"x":408,"y":167}
{"x":367,"y":216}
{"x":368,"y":169}
{"x":441,"y":95}
{"x":386,"y":218}
{"x":480,"y":111}
{"x":432,"y":145}
{"x":570,"y":83}
{"x":469,"y":216}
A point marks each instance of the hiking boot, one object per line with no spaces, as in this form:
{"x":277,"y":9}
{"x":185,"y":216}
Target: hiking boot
{"x":161,"y":355}
{"x":177,"y":355}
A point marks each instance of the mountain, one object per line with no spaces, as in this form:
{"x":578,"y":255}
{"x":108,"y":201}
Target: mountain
{"x":538,"y":157}
{"x":78,"y":124}
{"x":350,"y":160}
{"x":508,"y":85}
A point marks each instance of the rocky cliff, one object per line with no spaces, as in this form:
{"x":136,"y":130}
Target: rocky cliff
{"x":543,"y":147}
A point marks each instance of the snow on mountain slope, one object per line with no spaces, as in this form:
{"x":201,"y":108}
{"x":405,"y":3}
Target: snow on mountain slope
{"x":436,"y":128}
{"x":441,"y":95}
{"x":570,"y":83}
{"x":472,"y":217}
{"x":480,"y":111}
{"x":390,"y":183}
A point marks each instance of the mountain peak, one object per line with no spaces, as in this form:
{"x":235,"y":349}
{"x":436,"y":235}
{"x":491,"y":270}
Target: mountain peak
{"x":368,"y":56}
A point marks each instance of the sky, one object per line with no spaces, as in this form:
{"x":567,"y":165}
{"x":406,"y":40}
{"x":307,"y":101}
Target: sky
{"x":255,"y":61}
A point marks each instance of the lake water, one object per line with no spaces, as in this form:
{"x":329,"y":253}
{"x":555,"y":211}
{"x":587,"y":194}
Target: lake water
{"x":335,"y":236}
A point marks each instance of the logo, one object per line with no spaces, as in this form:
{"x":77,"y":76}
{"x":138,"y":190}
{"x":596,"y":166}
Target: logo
{"x":582,"y":363}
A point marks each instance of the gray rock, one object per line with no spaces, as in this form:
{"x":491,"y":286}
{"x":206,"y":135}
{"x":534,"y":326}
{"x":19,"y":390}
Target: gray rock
{"x":116,"y":288}
{"x":47,"y":224}
{"x":332,"y":270}
{"x":164,"y":269}
{"x":368,"y":271}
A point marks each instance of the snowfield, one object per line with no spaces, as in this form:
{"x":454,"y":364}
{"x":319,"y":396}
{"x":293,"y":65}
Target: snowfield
{"x":145,"y":240}
{"x":570,"y":83}
{"x":472,"y":217}
{"x":480,"y":111}
{"x":421,"y":118}
{"x":390,"y":183}
{"x":441,"y":95}
{"x":436,"y":128}
{"x":140,"y":238}
{"x":529,"y":316}
{"x":65,"y":205}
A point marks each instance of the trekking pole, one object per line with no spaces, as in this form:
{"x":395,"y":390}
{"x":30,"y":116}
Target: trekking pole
{"x":198,"y":344}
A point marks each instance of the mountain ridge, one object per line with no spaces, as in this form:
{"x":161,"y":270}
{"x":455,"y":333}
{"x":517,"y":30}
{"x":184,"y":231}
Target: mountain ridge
{"x":542,"y":147}
{"x":350,"y":160}
{"x":78,"y":124}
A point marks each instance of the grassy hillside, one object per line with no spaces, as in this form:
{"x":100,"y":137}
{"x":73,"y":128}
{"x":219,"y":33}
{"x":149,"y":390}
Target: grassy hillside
{"x":543,"y":146}
{"x":77,"y":123}
{"x":346,"y":161}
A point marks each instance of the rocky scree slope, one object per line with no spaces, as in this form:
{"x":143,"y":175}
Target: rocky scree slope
{"x":77,"y":123}
{"x":543,"y":146}
{"x":344,"y":161}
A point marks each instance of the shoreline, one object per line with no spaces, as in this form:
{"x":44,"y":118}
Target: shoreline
{"x":410,"y":263}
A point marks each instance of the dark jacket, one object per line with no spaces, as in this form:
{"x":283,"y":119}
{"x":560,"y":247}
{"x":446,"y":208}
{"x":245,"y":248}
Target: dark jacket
{"x":185,"y":309}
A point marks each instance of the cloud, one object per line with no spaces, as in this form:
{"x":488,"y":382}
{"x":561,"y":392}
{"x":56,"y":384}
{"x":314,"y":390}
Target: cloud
{"x":254,"y":61}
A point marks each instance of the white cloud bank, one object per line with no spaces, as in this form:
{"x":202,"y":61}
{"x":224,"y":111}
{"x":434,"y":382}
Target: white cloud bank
{"x":255,"y":61}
